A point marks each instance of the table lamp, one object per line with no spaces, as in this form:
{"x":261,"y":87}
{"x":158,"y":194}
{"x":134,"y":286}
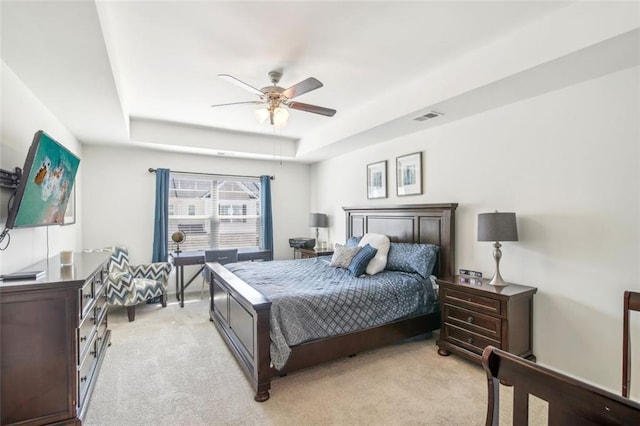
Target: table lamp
{"x":317,"y":220}
{"x":497,"y":227}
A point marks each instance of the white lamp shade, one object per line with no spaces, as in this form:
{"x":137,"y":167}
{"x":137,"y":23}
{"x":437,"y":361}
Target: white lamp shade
{"x":280,"y":117}
{"x":262,"y":115}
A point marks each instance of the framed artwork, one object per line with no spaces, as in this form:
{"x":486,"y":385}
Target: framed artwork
{"x":409,"y":174}
{"x":377,"y":180}
{"x":70,"y":213}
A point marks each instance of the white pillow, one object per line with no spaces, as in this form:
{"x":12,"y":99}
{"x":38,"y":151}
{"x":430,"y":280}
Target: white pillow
{"x":380,"y":242}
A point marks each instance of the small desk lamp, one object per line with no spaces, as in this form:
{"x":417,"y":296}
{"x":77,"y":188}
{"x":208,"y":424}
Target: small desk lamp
{"x":497,"y":227}
{"x":317,"y":220}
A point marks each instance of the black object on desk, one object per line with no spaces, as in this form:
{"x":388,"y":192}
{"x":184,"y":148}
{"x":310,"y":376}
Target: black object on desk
{"x":196,"y":257}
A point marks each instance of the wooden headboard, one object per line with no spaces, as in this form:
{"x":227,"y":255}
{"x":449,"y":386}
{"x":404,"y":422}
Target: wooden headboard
{"x":411,"y":223}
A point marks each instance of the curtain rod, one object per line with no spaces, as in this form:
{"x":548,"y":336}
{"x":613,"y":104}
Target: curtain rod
{"x":152,"y":170}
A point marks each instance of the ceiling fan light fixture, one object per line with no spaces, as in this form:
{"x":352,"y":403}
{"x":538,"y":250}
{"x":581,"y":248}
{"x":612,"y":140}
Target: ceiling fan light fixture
{"x":280,"y":117}
{"x":262,"y":115}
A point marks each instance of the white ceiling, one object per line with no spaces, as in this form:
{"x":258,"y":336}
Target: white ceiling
{"x":145,"y":72}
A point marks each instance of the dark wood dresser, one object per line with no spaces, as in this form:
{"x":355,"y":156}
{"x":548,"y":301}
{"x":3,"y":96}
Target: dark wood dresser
{"x":53,"y":337}
{"x":476,"y":314}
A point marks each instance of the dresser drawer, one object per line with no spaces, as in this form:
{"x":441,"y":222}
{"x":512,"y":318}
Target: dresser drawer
{"x":88,"y":325}
{"x":471,"y":301}
{"x":86,"y":297}
{"x":100,"y":283}
{"x":102,"y":324}
{"x":473,"y":321}
{"x":85,"y":336}
{"x":85,"y":372}
{"x":467,"y":339}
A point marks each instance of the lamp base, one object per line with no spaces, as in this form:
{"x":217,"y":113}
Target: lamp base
{"x":498,"y":281}
{"x":497,"y":278}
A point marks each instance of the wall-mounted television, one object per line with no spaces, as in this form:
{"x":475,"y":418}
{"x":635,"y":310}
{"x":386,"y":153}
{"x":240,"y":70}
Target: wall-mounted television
{"x":45,"y":187}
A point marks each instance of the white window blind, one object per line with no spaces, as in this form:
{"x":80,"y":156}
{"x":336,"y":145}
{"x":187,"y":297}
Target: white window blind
{"x":214,"y":211}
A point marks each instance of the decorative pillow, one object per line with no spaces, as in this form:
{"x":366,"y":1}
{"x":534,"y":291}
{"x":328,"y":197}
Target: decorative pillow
{"x":342,"y":255}
{"x":381,"y":243}
{"x":353,"y":241}
{"x":359,"y":263}
{"x":412,"y":258}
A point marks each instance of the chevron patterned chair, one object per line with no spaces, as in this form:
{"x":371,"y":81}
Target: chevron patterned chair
{"x":129,"y":285}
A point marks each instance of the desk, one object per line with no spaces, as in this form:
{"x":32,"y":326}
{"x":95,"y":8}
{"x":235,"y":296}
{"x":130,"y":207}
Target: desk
{"x":196,"y":257}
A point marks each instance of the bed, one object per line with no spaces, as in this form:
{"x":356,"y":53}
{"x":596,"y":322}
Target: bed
{"x":242,"y":314}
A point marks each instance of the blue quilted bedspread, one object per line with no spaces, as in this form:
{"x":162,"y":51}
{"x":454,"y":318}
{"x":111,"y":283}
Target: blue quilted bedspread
{"x":312,"y":300}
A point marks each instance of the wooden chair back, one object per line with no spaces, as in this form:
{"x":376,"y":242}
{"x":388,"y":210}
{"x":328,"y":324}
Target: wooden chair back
{"x":570,"y":401}
{"x":631,"y":303}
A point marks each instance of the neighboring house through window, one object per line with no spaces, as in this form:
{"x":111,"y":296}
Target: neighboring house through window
{"x":214,"y":211}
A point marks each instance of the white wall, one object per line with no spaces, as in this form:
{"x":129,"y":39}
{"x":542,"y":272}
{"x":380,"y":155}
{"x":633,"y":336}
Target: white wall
{"x":568,"y":164}
{"x":119,"y":207}
{"x":22,"y":114}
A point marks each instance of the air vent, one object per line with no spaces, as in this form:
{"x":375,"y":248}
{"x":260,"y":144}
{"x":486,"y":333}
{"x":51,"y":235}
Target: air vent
{"x":428,"y":116}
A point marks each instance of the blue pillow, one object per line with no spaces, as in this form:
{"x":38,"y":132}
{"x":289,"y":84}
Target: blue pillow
{"x":412,"y":258}
{"x":352,"y":242}
{"x":360,"y":261}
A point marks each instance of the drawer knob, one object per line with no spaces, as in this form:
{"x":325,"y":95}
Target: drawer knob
{"x":470,"y":320}
{"x":470,"y":340}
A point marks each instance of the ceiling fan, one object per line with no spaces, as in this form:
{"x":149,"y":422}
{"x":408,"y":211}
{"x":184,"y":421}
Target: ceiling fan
{"x":274,"y":97}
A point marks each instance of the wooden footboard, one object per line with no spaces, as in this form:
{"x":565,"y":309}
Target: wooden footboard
{"x":241,"y":314}
{"x":319,"y":351}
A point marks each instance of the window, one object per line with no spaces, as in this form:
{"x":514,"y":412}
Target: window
{"x":214,"y":211}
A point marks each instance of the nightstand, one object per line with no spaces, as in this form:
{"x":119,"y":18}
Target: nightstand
{"x":307,"y":253}
{"x":476,"y":314}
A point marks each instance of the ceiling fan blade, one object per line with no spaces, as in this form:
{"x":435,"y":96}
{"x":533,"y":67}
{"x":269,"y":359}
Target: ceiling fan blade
{"x":312,"y":108}
{"x":240,"y":83}
{"x":239,"y":103}
{"x":302,"y":88}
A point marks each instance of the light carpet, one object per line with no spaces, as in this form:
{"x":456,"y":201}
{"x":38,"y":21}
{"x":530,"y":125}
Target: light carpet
{"x":171,"y":367}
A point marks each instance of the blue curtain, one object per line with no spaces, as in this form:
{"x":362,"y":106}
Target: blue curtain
{"x":266,"y":233}
{"x":161,"y":218}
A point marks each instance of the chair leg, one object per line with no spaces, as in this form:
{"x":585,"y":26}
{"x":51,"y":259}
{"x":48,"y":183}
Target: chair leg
{"x":164,"y":299}
{"x":131,"y":313}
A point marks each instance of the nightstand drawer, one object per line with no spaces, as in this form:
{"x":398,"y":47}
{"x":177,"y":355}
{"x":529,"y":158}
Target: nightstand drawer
{"x":473,"y":321}
{"x":470,"y":301}
{"x":467,"y":339}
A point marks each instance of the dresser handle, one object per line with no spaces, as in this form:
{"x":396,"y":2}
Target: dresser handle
{"x":470,"y":320}
{"x":83,"y":338}
{"x":83,"y":379}
{"x":87,"y":296}
{"x":470,"y":340}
